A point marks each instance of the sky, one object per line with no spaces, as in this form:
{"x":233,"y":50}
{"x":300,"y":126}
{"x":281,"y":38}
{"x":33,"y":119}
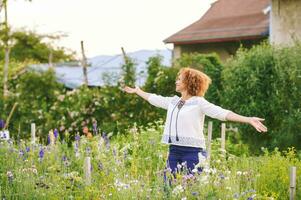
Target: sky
{"x":106,"y":26}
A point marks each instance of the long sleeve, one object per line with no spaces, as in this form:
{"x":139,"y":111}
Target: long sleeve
{"x":159,"y":101}
{"x":212,"y":110}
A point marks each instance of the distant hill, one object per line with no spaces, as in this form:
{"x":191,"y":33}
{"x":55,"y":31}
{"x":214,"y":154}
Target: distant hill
{"x":72,"y":76}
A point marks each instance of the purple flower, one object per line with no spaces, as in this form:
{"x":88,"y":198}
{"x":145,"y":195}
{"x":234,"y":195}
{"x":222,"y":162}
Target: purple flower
{"x":41,"y":153}
{"x":95,"y":127}
{"x":77,"y":137}
{"x":21,"y":153}
{"x":65,"y":161}
{"x":27,"y":149}
{"x":88,"y":150}
{"x":125,"y":153}
{"x":236,"y":196}
{"x":100,"y":166}
{"x":56,"y":133}
{"x":106,"y":139}
{"x":195,"y":193}
{"x":2,"y":123}
{"x":222,"y":176}
{"x":48,"y":139}
{"x":64,"y":158}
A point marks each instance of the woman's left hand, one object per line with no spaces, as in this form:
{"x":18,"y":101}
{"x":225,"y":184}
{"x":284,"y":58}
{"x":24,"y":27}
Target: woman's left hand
{"x":257,"y":124}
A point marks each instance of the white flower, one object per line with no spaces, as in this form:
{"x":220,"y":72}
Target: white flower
{"x":213,"y":170}
{"x":177,"y":190}
{"x":204,"y":179}
{"x":206,"y":170}
{"x":239,"y":173}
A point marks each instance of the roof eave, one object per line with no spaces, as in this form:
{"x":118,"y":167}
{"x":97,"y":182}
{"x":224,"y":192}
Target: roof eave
{"x":213,"y":40}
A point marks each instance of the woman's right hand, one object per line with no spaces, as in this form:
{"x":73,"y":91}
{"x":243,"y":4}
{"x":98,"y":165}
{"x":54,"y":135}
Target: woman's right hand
{"x":130,"y":90}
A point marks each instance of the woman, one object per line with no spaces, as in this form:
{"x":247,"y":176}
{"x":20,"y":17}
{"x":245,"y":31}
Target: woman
{"x":184,"y":123}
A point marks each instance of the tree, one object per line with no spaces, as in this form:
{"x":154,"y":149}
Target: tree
{"x":29,"y":45}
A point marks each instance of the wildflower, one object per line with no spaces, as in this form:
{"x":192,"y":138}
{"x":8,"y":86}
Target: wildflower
{"x":62,"y":128}
{"x":184,"y":198}
{"x":48,"y":140}
{"x":2,"y":123}
{"x":239,"y":173}
{"x":106,"y":139}
{"x":27,"y":149}
{"x":95,"y":127}
{"x":56,"y":133}
{"x":76,"y":145}
{"x":178,"y":189}
{"x":125,"y":153}
{"x":21,"y":153}
{"x":41,"y":154}
{"x":195,"y":194}
{"x":222,"y":176}
{"x":100,"y":166}
{"x":88,"y":150}
{"x":228,"y":188}
{"x":77,"y":137}
{"x":236,"y":196}
{"x":10,"y":176}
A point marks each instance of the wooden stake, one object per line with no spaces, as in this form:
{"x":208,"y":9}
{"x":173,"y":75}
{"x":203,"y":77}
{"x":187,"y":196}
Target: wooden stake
{"x":7,"y":51}
{"x":84,"y":64}
{"x":209,"y":137}
{"x":87,"y":170}
{"x":33,"y":133}
{"x":292,"y":183}
{"x":223,"y":137}
{"x":50,"y":58}
{"x":126,"y":60}
{"x":10,"y":115}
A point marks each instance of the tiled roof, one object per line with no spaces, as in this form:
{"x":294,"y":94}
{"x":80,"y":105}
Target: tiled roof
{"x":227,"y":20}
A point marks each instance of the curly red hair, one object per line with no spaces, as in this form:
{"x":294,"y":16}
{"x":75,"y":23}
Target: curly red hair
{"x":196,"y":82}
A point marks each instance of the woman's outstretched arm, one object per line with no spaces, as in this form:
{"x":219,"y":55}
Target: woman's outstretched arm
{"x":253,"y":121}
{"x":137,"y":91}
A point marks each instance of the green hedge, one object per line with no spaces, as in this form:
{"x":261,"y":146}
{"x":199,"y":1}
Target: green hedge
{"x":265,"y":81}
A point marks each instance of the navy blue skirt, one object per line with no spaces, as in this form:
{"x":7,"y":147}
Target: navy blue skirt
{"x":181,"y":157}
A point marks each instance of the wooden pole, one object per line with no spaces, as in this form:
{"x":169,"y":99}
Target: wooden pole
{"x":33,"y":133}
{"x":124,"y":56}
{"x":50,"y":58}
{"x":223,"y":137}
{"x":87,"y":170}
{"x":292,"y":183}
{"x":10,"y":115}
{"x":7,"y":50}
{"x":84,"y":63}
{"x":209,"y":137}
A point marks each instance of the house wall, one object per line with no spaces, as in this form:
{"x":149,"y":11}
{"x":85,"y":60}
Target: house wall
{"x":224,"y":49}
{"x":285,"y":21}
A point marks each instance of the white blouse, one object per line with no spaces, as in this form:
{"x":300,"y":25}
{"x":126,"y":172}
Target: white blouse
{"x":184,"y":126}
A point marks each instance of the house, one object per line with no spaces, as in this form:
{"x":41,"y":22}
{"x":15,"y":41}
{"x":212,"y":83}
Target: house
{"x":285,"y":21}
{"x":224,"y":27}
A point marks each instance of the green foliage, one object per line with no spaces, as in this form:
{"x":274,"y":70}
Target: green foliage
{"x":265,"y":81}
{"x":128,"y":72}
{"x":29,"y":46}
{"x":133,"y":166}
{"x":35,"y":93}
